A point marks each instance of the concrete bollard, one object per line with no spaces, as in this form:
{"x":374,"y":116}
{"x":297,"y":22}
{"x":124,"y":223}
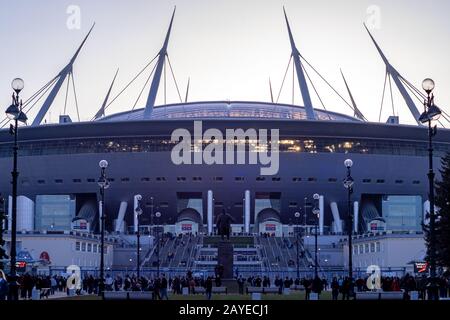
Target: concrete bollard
{"x":256,"y":296}
{"x":35,"y":294}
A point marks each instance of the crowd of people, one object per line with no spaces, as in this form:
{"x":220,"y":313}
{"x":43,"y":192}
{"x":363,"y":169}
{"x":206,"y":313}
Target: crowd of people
{"x":22,"y":287}
{"x":340,"y":287}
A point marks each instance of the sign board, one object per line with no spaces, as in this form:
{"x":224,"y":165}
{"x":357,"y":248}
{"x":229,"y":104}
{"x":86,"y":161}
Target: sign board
{"x":271,"y":227}
{"x":186,"y":227}
{"x":377,"y":225}
{"x":420,"y":267}
{"x":80,"y":225}
{"x":21,"y":266}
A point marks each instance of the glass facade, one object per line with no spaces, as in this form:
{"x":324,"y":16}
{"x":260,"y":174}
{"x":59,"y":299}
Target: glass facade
{"x":221,"y":110}
{"x":403,"y":213}
{"x":286,"y":144}
{"x":54,"y":212}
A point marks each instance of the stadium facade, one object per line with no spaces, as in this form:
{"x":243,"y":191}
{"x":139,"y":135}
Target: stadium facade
{"x":59,"y":165}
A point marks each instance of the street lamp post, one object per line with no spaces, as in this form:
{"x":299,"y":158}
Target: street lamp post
{"x":297,"y":234}
{"x":348,"y":184}
{"x":157,"y":215}
{"x":316,"y":212}
{"x":103,"y":184}
{"x":14,"y":112}
{"x":138,"y":212}
{"x":431,"y":113}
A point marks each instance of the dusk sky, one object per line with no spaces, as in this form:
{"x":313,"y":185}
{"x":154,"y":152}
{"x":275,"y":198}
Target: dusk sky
{"x":229,"y":49}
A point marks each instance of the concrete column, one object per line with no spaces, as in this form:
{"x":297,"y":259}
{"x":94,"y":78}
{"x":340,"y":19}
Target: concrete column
{"x":321,"y":214}
{"x":209,"y":212}
{"x":336,"y":217}
{"x":121,"y":216}
{"x":355,"y":216}
{"x":247,"y":212}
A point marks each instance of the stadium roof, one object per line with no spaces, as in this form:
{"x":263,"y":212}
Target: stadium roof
{"x":228,"y":109}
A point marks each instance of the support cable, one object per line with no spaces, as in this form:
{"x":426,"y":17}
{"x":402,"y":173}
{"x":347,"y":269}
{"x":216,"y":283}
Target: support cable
{"x":174,"y":79}
{"x":392,"y":97}
{"x":284,"y":79}
{"x":293,"y":83}
{"x":75,"y":95}
{"x":315,"y":90}
{"x":329,"y":85}
{"x":67,"y":94}
{"x":142,"y":90}
{"x":129,"y":83}
{"x":165,"y":83}
{"x":382,"y":96}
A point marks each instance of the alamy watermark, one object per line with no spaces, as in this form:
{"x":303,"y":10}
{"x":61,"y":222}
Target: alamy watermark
{"x":213,"y":147}
{"x":73,"y":21}
{"x":373,"y":17}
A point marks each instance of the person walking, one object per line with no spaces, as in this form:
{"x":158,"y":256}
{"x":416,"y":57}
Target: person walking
{"x":241,"y":282}
{"x":317,"y":286}
{"x":3,"y":286}
{"x":334,"y":289}
{"x":208,"y":288}
{"x":164,"y":288}
{"x":307,"y":285}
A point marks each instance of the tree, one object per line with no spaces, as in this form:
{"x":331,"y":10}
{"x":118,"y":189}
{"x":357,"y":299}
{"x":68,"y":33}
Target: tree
{"x":442,"y":225}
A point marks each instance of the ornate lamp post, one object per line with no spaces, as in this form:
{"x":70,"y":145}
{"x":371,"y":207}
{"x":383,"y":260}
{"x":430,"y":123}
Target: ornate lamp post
{"x":14,"y":112}
{"x":348,"y":184}
{"x":103,"y":184}
{"x":431,"y":113}
{"x":297,"y":235}
{"x":138,"y":212}
{"x":316,"y":212}
{"x":158,"y":215}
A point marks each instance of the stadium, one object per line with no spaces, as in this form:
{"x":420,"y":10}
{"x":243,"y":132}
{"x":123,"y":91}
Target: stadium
{"x":59,"y":166}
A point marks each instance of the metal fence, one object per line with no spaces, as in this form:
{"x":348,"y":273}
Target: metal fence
{"x":327,"y":273}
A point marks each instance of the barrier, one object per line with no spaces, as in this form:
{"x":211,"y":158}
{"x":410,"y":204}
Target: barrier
{"x":384,"y":295}
{"x":127,"y":295}
{"x":251,"y":290}
{"x":367,"y":296}
{"x":35,"y":294}
{"x":45,"y":292}
{"x":137,"y":295}
{"x":313,"y":296}
{"x":115,"y":295}
{"x":298,"y":287}
{"x":271,"y":290}
{"x":220,"y":290}
{"x":256,"y":296}
{"x":414,"y":295}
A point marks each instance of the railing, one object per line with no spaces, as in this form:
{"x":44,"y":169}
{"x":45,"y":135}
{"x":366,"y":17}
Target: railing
{"x":251,"y":271}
